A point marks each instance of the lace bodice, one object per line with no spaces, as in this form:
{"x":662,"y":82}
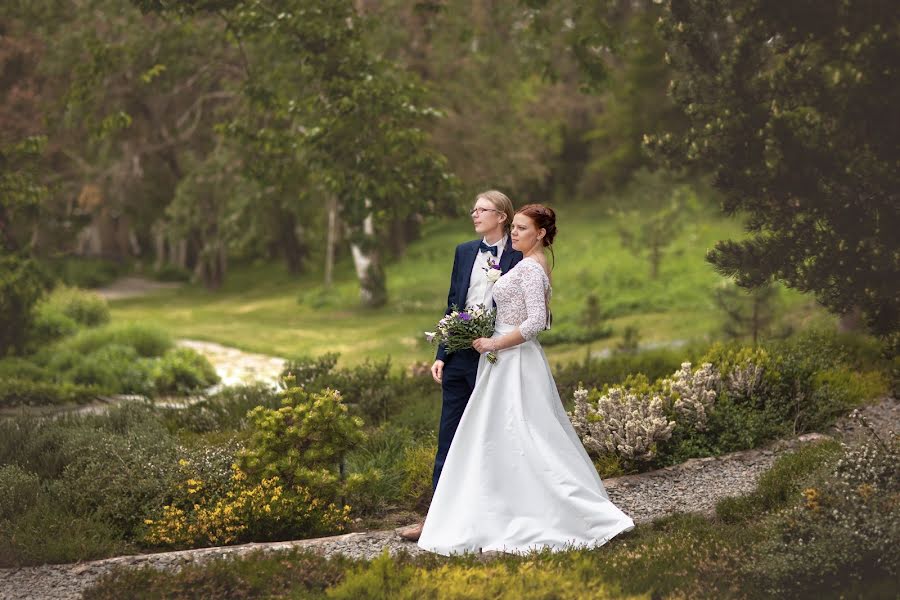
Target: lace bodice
{"x":521,"y":297}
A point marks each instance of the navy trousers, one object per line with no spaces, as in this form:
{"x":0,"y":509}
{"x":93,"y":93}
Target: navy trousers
{"x":457,"y":384}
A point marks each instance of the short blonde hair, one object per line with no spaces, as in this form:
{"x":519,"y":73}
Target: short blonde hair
{"x":502,"y":203}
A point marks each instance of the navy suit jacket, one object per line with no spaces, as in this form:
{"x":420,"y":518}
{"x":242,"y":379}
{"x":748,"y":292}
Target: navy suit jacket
{"x":462,"y":274}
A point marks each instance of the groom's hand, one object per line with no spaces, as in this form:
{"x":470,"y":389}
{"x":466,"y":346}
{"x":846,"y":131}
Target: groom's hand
{"x":437,"y":370}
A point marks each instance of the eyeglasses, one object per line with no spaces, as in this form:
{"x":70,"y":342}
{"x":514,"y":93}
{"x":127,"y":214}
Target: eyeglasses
{"x":478,"y":210}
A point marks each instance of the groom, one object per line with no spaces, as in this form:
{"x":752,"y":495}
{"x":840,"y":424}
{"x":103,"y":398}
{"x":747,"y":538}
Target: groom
{"x":470,"y":286}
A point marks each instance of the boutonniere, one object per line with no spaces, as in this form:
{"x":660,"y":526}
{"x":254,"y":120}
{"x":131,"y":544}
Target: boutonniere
{"x":492,"y":270}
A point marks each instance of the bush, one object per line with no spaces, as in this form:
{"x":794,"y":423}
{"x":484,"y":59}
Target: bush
{"x":843,"y":534}
{"x":48,"y":533}
{"x":147,"y":341}
{"x":49,"y":325}
{"x":780,"y":486}
{"x":85,"y":308}
{"x":85,"y":272}
{"x":15,"y":367}
{"x":118,"y":477}
{"x":114,"y":369}
{"x":417,"y":467}
{"x":597,"y":373}
{"x":386,"y":579}
{"x":22,"y":283}
{"x":225,"y":410}
{"x":24,"y":392}
{"x":380,"y":459}
{"x":290,"y":574}
{"x":19,"y":489}
{"x":182,"y":371}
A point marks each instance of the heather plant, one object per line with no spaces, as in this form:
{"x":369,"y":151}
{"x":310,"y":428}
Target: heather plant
{"x":628,"y":420}
{"x":692,"y":394}
{"x":842,"y":531}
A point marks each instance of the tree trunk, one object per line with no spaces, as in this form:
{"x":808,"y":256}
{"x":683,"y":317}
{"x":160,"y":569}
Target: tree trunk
{"x":293,"y":250}
{"x":330,"y":242}
{"x":366,"y":259}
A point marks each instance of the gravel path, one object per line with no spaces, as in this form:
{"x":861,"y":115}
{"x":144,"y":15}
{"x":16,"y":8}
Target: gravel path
{"x":134,"y":287}
{"x":693,"y":486}
{"x":236,"y":366}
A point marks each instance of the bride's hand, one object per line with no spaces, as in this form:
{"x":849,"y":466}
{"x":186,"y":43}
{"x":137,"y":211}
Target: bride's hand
{"x":483,"y":345}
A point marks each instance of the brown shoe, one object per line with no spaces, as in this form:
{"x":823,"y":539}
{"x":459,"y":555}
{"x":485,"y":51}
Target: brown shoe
{"x":412,"y":532}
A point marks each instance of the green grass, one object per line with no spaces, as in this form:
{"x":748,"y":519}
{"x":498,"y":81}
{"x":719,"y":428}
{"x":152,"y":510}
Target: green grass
{"x":261,"y":308}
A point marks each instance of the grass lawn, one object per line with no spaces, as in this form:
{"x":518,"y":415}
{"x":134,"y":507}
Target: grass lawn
{"x":262,"y":308}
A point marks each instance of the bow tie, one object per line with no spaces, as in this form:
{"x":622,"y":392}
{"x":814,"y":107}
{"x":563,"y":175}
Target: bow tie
{"x":485,"y":248}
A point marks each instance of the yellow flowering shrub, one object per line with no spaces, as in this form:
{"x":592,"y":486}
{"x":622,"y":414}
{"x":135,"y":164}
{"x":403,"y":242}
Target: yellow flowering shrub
{"x":261,"y":511}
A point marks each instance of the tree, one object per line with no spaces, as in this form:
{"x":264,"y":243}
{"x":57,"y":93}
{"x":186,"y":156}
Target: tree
{"x":793,"y":107}
{"x":660,"y":208}
{"x":353,"y":117}
{"x":747,"y":313}
{"x":22,"y":283}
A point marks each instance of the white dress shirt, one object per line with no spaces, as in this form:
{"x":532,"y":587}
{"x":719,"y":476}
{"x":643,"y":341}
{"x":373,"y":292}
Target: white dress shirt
{"x":479,"y":285}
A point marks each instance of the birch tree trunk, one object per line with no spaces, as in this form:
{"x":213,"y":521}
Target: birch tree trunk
{"x":367,"y":261}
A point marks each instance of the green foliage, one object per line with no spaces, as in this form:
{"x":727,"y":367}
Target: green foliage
{"x":780,"y":486}
{"x":385,"y":578}
{"x":25,"y":392}
{"x":790,"y":109}
{"x":84,"y":273}
{"x":19,"y":489}
{"x":597,"y":373}
{"x":182,"y":371}
{"x":114,"y":369}
{"x":417,"y":466}
{"x":295,"y":573}
{"x":843,"y":534}
{"x":650,"y":235}
{"x":146,"y":340}
{"x":225,"y":410}
{"x":303,"y":442}
{"x":49,"y":325}
{"x":22,"y":284}
{"x":85,"y":308}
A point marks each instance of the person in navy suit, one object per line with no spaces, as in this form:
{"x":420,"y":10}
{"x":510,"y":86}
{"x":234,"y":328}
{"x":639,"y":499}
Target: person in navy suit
{"x":470,"y":286}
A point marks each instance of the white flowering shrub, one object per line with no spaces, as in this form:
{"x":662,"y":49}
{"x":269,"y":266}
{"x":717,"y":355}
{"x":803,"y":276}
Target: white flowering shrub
{"x":692,"y":394}
{"x":627,"y":422}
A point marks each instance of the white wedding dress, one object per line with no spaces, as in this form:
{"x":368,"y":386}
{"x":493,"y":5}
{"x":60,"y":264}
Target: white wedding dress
{"x":516,"y":477}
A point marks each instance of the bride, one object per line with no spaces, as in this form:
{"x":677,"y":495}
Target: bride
{"x":516,"y":476}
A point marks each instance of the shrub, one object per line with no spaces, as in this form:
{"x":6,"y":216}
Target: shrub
{"x":225,"y":410}
{"x":303,"y":442}
{"x":114,"y":369}
{"x":22,"y":283}
{"x":86,"y":272}
{"x":385,"y":578}
{"x":83,"y":307}
{"x":628,"y":420}
{"x":417,"y":467}
{"x":48,"y":533}
{"x":843,"y":533}
{"x":15,"y":367}
{"x":147,"y":341}
{"x":288,"y":574}
{"x":118,"y":477}
{"x":24,"y":392}
{"x":19,"y":489}
{"x":49,"y":325}
{"x":780,"y":486}
{"x":182,"y":371}
{"x":597,"y":373}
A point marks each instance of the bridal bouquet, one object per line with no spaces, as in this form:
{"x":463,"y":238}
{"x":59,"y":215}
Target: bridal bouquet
{"x":457,"y":330}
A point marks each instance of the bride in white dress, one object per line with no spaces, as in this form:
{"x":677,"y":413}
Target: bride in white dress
{"x":516,"y":477}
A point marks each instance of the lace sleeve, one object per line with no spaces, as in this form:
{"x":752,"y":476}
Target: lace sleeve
{"x":533,"y":281}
